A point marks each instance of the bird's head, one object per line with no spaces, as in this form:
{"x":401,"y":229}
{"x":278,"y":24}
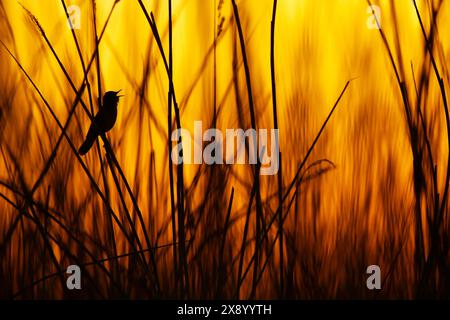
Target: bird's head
{"x":111,"y":98}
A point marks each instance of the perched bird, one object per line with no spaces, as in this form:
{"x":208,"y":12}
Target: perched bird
{"x":104,"y":120}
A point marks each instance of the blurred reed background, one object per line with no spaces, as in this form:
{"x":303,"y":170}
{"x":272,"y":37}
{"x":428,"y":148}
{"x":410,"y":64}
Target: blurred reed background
{"x":371,"y":191}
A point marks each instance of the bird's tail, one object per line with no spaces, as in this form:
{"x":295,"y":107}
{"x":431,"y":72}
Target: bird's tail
{"x":88,"y":142}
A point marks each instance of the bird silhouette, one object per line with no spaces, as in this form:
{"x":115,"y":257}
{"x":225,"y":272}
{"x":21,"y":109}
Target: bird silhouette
{"x":104,"y":120}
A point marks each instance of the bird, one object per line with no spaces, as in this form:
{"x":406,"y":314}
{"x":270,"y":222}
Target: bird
{"x":104,"y":120}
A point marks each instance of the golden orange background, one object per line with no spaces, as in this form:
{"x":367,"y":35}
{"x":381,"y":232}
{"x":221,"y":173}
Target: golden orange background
{"x":358,"y":213}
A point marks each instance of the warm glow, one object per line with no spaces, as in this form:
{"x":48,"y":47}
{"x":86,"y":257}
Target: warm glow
{"x":357,"y":208}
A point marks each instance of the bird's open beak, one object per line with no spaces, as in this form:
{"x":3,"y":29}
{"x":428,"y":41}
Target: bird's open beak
{"x":117,"y":93}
